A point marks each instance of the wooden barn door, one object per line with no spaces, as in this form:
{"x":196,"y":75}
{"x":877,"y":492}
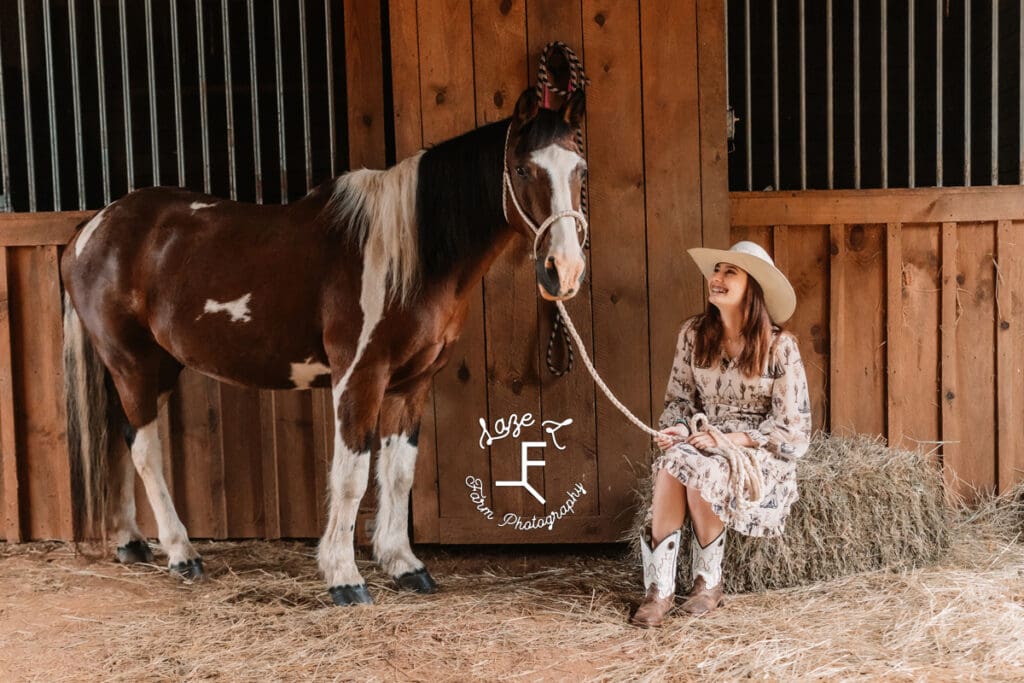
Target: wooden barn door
{"x":655,"y":137}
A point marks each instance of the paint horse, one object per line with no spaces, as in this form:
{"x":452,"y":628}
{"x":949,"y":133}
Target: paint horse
{"x":363,"y":285}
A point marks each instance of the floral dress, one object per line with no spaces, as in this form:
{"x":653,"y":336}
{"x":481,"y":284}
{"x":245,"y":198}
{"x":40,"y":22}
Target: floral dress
{"x":772,"y":409}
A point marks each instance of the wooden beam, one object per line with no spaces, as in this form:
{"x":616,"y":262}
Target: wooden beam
{"x":8,"y":443}
{"x":39,"y":229}
{"x":950,"y":418}
{"x":1009,"y":354}
{"x":714,"y":153}
{"x":838,"y":408}
{"x":925,"y":205}
{"x":895,"y":404}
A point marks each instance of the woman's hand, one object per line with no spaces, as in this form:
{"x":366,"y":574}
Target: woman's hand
{"x":670,"y":435}
{"x":702,"y":441}
{"x":741,"y":439}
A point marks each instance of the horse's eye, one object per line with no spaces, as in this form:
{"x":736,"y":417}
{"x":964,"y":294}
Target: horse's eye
{"x":520,"y":171}
{"x":583,"y":172}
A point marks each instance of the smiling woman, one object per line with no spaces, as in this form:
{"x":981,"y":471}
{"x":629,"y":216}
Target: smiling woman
{"x":736,"y":399}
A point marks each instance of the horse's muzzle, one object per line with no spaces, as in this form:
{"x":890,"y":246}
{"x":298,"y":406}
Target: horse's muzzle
{"x":550,"y":285}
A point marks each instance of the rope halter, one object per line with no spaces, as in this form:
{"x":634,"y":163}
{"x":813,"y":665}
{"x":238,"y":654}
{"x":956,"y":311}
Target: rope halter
{"x":538,"y":232}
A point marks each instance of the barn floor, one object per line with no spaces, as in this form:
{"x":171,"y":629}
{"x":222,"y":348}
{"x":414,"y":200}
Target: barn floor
{"x":519,"y":614}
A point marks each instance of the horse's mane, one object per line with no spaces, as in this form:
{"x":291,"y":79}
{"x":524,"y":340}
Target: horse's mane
{"x":458,"y":199}
{"x":437,"y":208}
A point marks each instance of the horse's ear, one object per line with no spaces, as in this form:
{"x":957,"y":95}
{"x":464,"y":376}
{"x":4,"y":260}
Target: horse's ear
{"x":527,"y":106}
{"x":574,"y":108}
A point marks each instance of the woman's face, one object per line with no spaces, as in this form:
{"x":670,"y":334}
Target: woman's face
{"x":727,"y":286}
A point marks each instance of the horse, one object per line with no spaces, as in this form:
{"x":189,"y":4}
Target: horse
{"x":363,"y":285}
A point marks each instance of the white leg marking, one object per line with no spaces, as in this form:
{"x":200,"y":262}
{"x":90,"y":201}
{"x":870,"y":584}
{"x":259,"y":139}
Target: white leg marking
{"x":148,"y":459}
{"x":237,"y":309}
{"x":123,"y":519}
{"x":349,"y":473}
{"x":87,"y":232}
{"x":195,"y":206}
{"x":396,"y":464}
{"x":560,"y":163}
{"x":303,"y":374}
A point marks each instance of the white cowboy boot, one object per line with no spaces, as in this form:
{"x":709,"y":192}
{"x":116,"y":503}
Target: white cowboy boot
{"x":707,"y":575}
{"x":659,"y":580}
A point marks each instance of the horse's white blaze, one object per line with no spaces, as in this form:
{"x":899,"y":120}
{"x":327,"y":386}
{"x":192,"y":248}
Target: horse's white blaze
{"x":195,"y":206}
{"x":237,"y":309}
{"x":383,"y":204}
{"x":559,"y":163}
{"x":148,"y":459}
{"x":303,"y":374}
{"x":396,"y":464}
{"x":88,"y":231}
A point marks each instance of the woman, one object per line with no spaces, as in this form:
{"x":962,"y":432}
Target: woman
{"x":734,"y":366}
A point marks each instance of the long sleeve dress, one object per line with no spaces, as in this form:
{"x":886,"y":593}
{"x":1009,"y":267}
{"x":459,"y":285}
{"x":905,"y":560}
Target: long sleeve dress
{"x":773,"y":409}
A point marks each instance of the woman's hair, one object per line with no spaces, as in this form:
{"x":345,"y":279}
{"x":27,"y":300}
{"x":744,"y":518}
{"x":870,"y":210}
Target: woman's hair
{"x":756,"y":333}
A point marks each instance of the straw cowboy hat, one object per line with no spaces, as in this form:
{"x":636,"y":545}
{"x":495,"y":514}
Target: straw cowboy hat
{"x":779,"y":296}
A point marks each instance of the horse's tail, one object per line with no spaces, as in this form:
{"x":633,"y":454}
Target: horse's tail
{"x":88,"y":422}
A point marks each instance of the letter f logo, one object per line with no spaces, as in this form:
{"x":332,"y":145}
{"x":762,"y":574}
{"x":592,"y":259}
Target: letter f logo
{"x":527,"y":463}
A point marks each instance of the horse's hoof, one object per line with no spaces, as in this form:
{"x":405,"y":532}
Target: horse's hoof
{"x":135,"y":551}
{"x":418,"y":580}
{"x":351,"y":595}
{"x":190,"y":569}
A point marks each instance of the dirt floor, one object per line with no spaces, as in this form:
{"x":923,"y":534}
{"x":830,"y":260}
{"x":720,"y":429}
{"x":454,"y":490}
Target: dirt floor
{"x":519,"y":614}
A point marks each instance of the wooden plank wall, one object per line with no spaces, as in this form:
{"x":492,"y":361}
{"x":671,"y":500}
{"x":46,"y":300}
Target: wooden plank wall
{"x":909,"y":317}
{"x":458,"y":64}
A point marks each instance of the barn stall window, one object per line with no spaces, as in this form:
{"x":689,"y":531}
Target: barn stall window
{"x":239,"y":98}
{"x":849,"y":94}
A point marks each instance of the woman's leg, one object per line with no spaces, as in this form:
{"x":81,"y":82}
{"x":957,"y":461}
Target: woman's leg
{"x":707,"y":551}
{"x":668,"y":507}
{"x":706,"y":524}
{"x":668,"y":510}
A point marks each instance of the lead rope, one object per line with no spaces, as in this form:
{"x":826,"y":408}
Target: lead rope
{"x":577,"y":81}
{"x":744,"y":470}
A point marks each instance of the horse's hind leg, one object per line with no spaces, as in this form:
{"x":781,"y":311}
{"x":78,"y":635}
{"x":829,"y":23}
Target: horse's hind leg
{"x":132,"y":545}
{"x":139,"y":389}
{"x":396,"y":464}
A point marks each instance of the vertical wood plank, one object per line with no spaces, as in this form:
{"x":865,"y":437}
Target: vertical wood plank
{"x":714,"y":157}
{"x":364,"y":84}
{"x":802,"y":254}
{"x":510,"y":291}
{"x":268,"y":467}
{"x":1009,"y":353}
{"x":40,"y":419}
{"x":858,"y":370}
{"x":9,"y":494}
{"x":241,"y":446}
{"x":976,"y":359}
{"x":671,"y":163}
{"x":573,"y":394}
{"x":894,"y":341}
{"x":322,"y":404}
{"x":447,"y":94}
{"x":951,"y":447}
{"x":293,"y":428}
{"x":915,"y":352}
{"x":611,"y":33}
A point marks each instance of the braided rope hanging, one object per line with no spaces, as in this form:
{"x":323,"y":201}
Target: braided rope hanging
{"x":577,"y":80}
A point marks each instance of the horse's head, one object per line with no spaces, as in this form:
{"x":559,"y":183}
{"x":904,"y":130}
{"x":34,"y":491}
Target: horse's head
{"x":544,"y":178}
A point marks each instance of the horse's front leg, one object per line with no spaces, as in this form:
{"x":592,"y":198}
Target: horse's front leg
{"x":396,"y":464}
{"x":356,"y":409}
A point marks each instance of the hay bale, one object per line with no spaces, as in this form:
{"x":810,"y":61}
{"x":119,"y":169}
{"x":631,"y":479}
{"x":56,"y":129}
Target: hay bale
{"x":863,"y":506}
